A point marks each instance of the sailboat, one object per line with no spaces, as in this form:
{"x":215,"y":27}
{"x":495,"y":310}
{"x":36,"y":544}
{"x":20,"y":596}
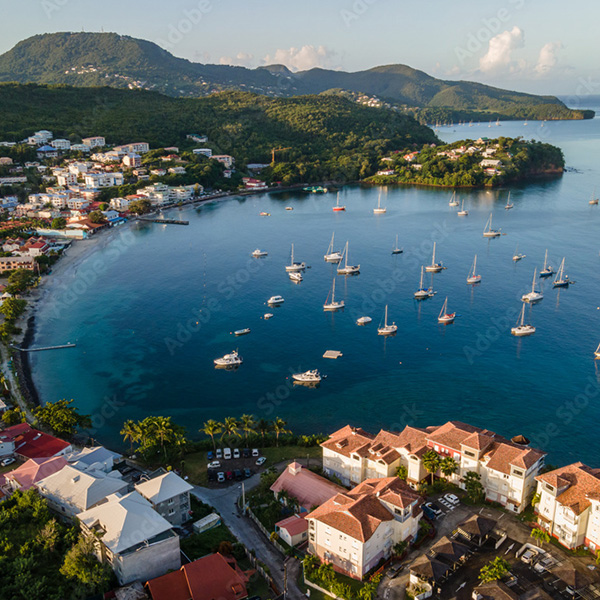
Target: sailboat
{"x":337,"y":207}
{"x":517,"y":255}
{"x":434,"y":267}
{"x":533,"y":296}
{"x":561,"y":280}
{"x":387,"y":329}
{"x":498,"y":123}
{"x":445,"y":317}
{"x":396,"y":249}
{"x":294,"y":266}
{"x":422,"y":293}
{"x":521,"y":329}
{"x":379,"y":210}
{"x":462,"y":212}
{"x":348,"y":269}
{"x":594,"y":200}
{"x":473,"y":277}
{"x":597,"y":353}
{"x":332,"y":256}
{"x":547,"y":270}
{"x":453,"y":200}
{"x":332,"y":305}
{"x":488,"y":231}
{"x":508,"y":204}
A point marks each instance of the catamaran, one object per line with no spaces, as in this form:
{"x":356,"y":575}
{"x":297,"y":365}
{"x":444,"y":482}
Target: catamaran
{"x":396,"y":249}
{"x":521,"y":329}
{"x":488,"y":231}
{"x":387,"y":329}
{"x":508,"y":204}
{"x":422,"y":293}
{"x":445,"y":317}
{"x":295,"y":266}
{"x":337,"y":207}
{"x":379,"y":209}
{"x":229,"y":360}
{"x":434,"y":267}
{"x":517,"y":256}
{"x":333,"y":305}
{"x":473,"y":277}
{"x":561,"y":280}
{"x":547,"y":269}
{"x":453,"y":200}
{"x":348,"y":269}
{"x":534,"y":295}
{"x":332,"y":256}
{"x":462,"y":212}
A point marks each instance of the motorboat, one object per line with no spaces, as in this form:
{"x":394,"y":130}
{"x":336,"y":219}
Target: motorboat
{"x":268,"y":316}
{"x":363,"y":320}
{"x":264,"y":214}
{"x":259,"y":253}
{"x":239,"y":332}
{"x":275,"y":300}
{"x":295,"y":276}
{"x":229,"y":360}
{"x":307,"y":377}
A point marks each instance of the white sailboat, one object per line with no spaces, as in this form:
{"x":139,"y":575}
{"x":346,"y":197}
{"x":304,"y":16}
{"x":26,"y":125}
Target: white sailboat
{"x":387,"y":329}
{"x":445,"y":317}
{"x":517,"y":256}
{"x":508,"y":204}
{"x":561,"y":280}
{"x":332,"y":256}
{"x":473,"y":277}
{"x":534,"y":295}
{"x":295,"y":266}
{"x":379,"y":210}
{"x":594,"y":200}
{"x":521,"y":329}
{"x":396,"y":249}
{"x":462,"y":212}
{"x":348,"y":269}
{"x":333,"y":305}
{"x":422,"y":293}
{"x":453,"y":200}
{"x":547,"y":269}
{"x":488,"y":231}
{"x":434,"y":267}
{"x":337,"y":207}
{"x":597,"y":353}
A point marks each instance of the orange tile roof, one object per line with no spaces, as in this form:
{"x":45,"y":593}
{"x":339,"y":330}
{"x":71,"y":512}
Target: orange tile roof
{"x":294,"y":525}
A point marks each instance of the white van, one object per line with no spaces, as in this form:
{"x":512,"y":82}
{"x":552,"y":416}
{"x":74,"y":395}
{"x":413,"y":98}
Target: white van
{"x":227,"y":453}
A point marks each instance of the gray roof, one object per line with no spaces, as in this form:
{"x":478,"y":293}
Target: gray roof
{"x":163,"y":487}
{"x":89,"y":456}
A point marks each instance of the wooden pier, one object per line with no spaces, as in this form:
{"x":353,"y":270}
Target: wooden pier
{"x":60,"y":347}
{"x":164,"y":221}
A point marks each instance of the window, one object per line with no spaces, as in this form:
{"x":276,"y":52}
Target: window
{"x":517,"y":472}
{"x":328,"y":530}
{"x":327,"y":542}
{"x":171,"y":501}
{"x":469,"y":453}
{"x":548,"y":487}
{"x":171,"y":512}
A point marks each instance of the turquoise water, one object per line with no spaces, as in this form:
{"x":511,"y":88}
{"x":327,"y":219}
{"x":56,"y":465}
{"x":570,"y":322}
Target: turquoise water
{"x":151,"y":311}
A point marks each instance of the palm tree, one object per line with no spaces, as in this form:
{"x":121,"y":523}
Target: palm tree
{"x":263,"y":426}
{"x":540,"y":535}
{"x":131,"y":431}
{"x":248,"y":423}
{"x":230,"y":427}
{"x":211,"y":428}
{"x":279,"y":427}
{"x":448,"y":466}
{"x":162,"y":428}
{"x":431,"y":462}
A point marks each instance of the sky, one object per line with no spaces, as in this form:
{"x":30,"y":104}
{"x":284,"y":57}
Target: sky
{"x":539,"y":46}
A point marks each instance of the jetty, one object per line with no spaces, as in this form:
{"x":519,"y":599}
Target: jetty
{"x":59,"y":347}
{"x":163,"y":221}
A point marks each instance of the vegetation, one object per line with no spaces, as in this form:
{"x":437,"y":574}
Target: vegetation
{"x":13,"y":416}
{"x":494,"y":570}
{"x":12,"y":308}
{"x":540,"y":535}
{"x":61,"y":418}
{"x":448,"y":466}
{"x":156,"y":437}
{"x":431,"y":462}
{"x":473,"y":486}
{"x":402,"y":472}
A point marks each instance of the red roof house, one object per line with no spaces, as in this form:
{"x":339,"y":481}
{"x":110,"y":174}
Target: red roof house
{"x":32,"y":471}
{"x":31,"y":443}
{"x":293,"y":530}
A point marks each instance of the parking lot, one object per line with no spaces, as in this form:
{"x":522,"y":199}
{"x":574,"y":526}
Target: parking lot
{"x":232,"y":464}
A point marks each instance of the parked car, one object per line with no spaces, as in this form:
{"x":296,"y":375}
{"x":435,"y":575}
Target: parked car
{"x":227,"y":453}
{"x":451,"y":498}
{"x":229,"y":475}
{"x":434,"y":508}
{"x":212,"y":475}
{"x":394,"y":571}
{"x":246,"y":452}
{"x":220,"y":477}
{"x":210,"y":455}
{"x":255,"y":452}
{"x":236,"y":453}
{"x":215,"y":464}
{"x":219,"y":453}
{"x":529,"y":556}
{"x":261,"y":461}
{"x":8,"y":461}
{"x":247,"y":473}
{"x":429,"y":514}
{"x":238,"y":474}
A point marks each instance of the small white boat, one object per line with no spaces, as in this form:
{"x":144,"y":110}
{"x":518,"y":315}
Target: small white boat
{"x":508,"y":204}
{"x":434,"y":267}
{"x":594,"y":200}
{"x":517,"y":256}
{"x":307,"y":377}
{"x":337,"y":207}
{"x":534,"y":295}
{"x":379,"y":210}
{"x":363,"y":320}
{"x":330,"y":303}
{"x":289,"y":208}
{"x":264,"y":214}
{"x":229,"y":360}
{"x":387,"y":329}
{"x":462,"y":212}
{"x":445,"y":317}
{"x":473,"y":276}
{"x":396,"y":249}
{"x":597,"y":353}
{"x":275,"y":300}
{"x":332,"y":256}
{"x":295,"y":276}
{"x":348,"y":269}
{"x":453,"y":200}
{"x":547,"y":269}
{"x":422,"y":293}
{"x":259,"y":253}
{"x":488,"y":231}
{"x":239,"y":332}
{"x":561,"y":280}
{"x":521,"y":329}
{"x":267,"y":316}
{"x":295,"y":266}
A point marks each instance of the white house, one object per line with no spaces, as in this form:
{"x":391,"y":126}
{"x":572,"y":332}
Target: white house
{"x":94,"y":142}
{"x":204,"y":151}
{"x":225,"y":159}
{"x":491,"y":162}
{"x":101,"y":180}
{"x":137,"y":147}
{"x":132,"y":160}
{"x":120,"y":204}
{"x":61,"y":144}
{"x":169,"y":495}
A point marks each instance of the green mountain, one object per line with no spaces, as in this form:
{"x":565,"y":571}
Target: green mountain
{"x":99,"y":59}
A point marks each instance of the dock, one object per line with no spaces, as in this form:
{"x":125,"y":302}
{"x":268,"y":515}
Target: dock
{"x":332,"y":354}
{"x":164,"y":221}
{"x":59,"y":347}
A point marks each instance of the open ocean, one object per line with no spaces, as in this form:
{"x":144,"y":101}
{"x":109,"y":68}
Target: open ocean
{"x":150,"y":312}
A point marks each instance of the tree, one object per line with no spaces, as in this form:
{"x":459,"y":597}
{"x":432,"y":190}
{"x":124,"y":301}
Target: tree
{"x":448,"y":466}
{"x":230,"y":427}
{"x":103,"y":206}
{"x":279,"y":427}
{"x":58,"y":223}
{"x":20,"y":280}
{"x":402,"y":472}
{"x":494,"y":570}
{"x":140,"y":207}
{"x":431,"y":462}
{"x":472,"y":481}
{"x":163,"y":430}
{"x":247,"y":423}
{"x":211,"y":428}
{"x":13,"y":416}
{"x":535,"y":500}
{"x":63,"y":419}
{"x":12,"y":308}
{"x":540,"y":535}
{"x":48,"y":537}
{"x":263,"y":427}
{"x":131,"y":432}
{"x":81,"y":564}
{"x":96,"y":216}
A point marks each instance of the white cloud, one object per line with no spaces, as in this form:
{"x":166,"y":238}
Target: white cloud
{"x":499,"y":56}
{"x":548,"y":58}
{"x":242,"y":59}
{"x":301,"y":59}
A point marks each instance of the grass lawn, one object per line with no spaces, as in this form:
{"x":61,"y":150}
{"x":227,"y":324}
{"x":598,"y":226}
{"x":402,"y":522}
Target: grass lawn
{"x":200,"y":544}
{"x":314,"y":594}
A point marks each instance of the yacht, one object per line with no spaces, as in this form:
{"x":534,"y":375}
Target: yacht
{"x":517,"y":256}
{"x":275,"y":300}
{"x":295,"y":276}
{"x":337,"y":207}
{"x":521,"y":329}
{"x":307,"y":377}
{"x":396,"y":249}
{"x":268,"y":316}
{"x":453,"y":200}
{"x":379,"y":210}
{"x":547,"y":269}
{"x":229,"y":360}
{"x":508,"y":204}
{"x":289,"y":208}
{"x":331,"y":304}
{"x":488,"y":231}
{"x":259,"y":253}
{"x":295,"y":266}
{"x":473,"y":277}
{"x":561,"y":280}
{"x":332,"y":256}
{"x":265,"y":214}
{"x":434,"y":267}
{"x":363,"y":320}
{"x":462,"y":212}
{"x":239,"y":332}
{"x":534,"y":295}
{"x":387,"y":329}
{"x":445,"y":317}
{"x":348,"y":269}
{"x":422,"y":293}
